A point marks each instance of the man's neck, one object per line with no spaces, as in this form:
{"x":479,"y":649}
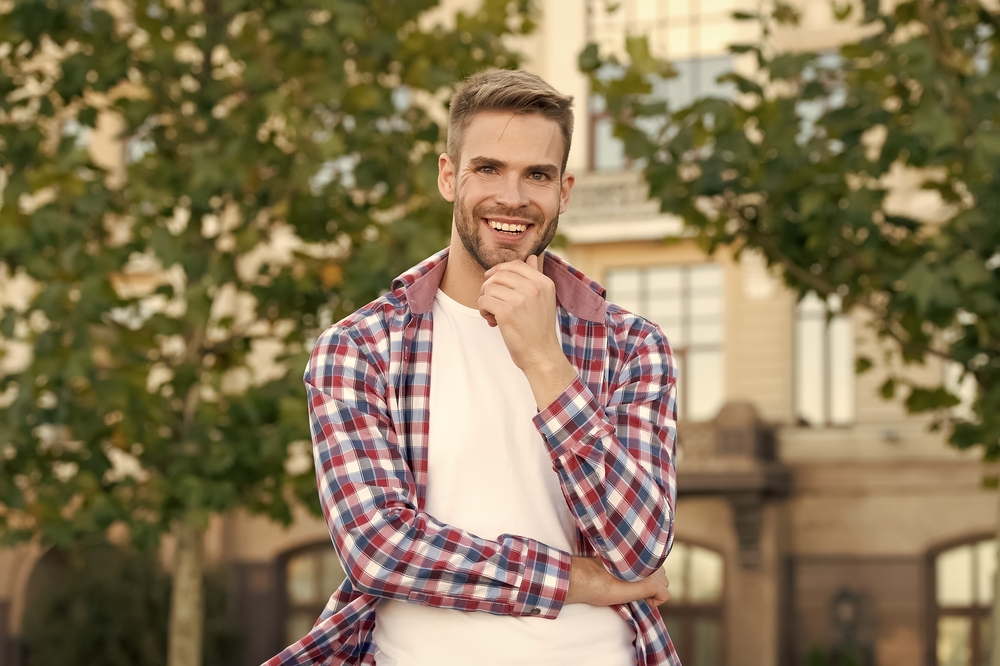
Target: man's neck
{"x":463,"y":277}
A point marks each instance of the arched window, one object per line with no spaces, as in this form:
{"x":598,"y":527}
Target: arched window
{"x":694,"y":613}
{"x":311,"y":575}
{"x":963,"y":598}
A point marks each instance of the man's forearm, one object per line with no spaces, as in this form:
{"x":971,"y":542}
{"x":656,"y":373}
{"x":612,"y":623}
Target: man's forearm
{"x":614,"y":461}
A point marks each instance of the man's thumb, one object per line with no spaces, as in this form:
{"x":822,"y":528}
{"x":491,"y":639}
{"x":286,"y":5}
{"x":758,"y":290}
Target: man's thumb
{"x":532,"y":261}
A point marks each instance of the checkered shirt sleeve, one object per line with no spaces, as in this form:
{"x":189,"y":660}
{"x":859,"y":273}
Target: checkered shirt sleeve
{"x":389,"y":547}
{"x":616,"y":463}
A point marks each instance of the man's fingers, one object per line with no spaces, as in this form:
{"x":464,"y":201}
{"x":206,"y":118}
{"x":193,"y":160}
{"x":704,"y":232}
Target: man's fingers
{"x":513,"y":281}
{"x":659,"y":599}
{"x":491,"y":303}
{"x":501,"y":292}
{"x":519,"y":267}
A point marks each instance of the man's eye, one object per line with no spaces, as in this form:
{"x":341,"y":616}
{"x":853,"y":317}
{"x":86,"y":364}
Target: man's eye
{"x":538,"y":175}
{"x":486,"y":169}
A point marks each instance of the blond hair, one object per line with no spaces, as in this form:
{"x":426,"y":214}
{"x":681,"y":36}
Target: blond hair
{"x":512,"y":91}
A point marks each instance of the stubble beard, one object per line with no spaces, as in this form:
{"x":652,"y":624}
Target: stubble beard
{"x":472,"y":239}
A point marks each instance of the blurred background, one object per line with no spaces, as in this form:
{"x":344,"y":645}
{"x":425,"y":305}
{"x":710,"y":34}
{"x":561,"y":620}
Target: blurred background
{"x":801,"y":195}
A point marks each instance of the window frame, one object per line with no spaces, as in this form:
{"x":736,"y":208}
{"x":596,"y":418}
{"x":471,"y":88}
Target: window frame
{"x":688,"y":612}
{"x":680,"y":353}
{"x":935,"y":612}
{"x":826,"y":385}
{"x":694,"y":21}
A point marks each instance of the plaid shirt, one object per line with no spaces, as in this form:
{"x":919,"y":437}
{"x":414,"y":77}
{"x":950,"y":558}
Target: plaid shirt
{"x":611,"y":436}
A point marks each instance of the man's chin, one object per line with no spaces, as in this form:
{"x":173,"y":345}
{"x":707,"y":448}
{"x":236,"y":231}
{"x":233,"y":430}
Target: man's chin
{"x":503,"y":255}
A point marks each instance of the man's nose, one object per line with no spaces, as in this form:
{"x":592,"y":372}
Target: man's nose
{"x":512,"y":193}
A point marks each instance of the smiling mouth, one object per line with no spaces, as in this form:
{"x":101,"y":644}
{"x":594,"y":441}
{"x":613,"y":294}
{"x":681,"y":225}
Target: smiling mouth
{"x":509,"y":228}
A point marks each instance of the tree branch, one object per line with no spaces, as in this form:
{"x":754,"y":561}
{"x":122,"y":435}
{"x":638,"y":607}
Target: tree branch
{"x":770,"y":247}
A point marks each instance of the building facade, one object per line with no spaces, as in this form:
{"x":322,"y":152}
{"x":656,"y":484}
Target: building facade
{"x":814,"y":518}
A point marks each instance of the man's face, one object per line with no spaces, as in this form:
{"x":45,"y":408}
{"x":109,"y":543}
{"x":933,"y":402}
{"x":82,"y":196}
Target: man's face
{"x":508,"y":176}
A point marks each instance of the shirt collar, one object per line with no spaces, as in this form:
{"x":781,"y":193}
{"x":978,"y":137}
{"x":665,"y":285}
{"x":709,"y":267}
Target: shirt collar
{"x":580,"y":295}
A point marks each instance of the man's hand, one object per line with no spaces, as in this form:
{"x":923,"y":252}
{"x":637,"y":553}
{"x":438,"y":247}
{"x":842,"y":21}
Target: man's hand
{"x":521,"y":301}
{"x":590,"y":583}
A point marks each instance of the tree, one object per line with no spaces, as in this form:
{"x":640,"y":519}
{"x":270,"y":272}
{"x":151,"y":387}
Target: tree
{"x":798,"y":165}
{"x":280,"y":168}
{"x":102,"y":604}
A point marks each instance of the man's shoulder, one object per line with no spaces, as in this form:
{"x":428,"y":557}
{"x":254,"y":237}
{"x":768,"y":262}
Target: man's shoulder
{"x":371,"y":327}
{"x":631,"y":331}
{"x":371,"y":323}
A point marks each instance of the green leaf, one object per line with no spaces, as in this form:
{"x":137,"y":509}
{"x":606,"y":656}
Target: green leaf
{"x":971,"y":272}
{"x":841,"y":12}
{"x":928,"y":289}
{"x":87,"y":117}
{"x":590,"y":59}
{"x":888,"y":389}
{"x":641,"y":58}
{"x":811,"y":201}
{"x":862,"y":364}
{"x":786,"y":14}
{"x":871,"y":10}
{"x":922,"y":400}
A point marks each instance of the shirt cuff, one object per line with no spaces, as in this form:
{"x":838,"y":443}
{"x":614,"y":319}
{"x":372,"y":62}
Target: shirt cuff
{"x":572,"y":423}
{"x":544,"y":581}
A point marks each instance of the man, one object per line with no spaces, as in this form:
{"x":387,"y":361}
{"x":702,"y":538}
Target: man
{"x":494,"y":442}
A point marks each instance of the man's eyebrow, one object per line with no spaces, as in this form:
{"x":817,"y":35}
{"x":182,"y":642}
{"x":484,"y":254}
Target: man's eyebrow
{"x":477,"y":162}
{"x":548,"y":169}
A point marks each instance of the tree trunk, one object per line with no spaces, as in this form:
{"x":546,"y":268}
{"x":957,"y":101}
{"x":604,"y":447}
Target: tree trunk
{"x":995,"y":642}
{"x":184,"y":641}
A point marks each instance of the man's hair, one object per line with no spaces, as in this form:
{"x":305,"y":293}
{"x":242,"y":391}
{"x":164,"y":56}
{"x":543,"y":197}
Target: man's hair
{"x":511,"y":91}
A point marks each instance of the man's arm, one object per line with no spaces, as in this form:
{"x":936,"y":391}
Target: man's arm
{"x":616,"y":464}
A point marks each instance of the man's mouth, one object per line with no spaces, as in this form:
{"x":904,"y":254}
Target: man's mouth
{"x":506,"y":227}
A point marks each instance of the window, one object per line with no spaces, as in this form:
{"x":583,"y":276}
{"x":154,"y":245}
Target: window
{"x":677,"y":30}
{"x":693,"y":616}
{"x":824,"y":363}
{"x":692,"y":35}
{"x":686,"y":301}
{"x":964,"y":579}
{"x":311,"y":575}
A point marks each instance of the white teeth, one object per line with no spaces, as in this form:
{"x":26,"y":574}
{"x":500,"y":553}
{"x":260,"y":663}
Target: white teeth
{"x":506,"y":226}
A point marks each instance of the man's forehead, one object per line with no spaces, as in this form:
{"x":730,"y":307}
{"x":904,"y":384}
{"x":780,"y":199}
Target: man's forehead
{"x":489,"y":132}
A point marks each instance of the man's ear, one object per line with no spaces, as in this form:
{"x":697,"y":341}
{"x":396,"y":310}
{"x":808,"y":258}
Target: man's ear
{"x":446,"y":177}
{"x":568,"y":180}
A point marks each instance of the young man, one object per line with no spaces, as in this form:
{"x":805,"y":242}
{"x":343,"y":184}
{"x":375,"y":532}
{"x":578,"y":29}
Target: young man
{"x":494,"y":442}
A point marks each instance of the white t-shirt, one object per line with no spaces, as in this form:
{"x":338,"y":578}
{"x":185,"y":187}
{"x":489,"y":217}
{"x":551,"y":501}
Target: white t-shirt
{"x":489,"y":473}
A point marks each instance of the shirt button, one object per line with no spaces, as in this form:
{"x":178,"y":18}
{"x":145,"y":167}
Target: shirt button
{"x":536,"y":611}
